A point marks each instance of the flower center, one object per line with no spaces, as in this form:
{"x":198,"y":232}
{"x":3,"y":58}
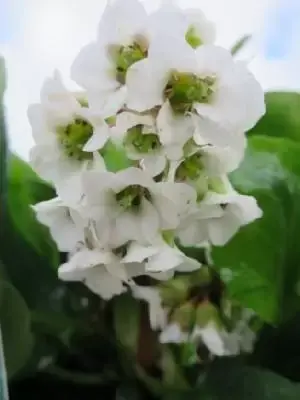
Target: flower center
{"x":131,"y":197}
{"x":191,"y":168}
{"x":142,"y":143}
{"x":73,"y":137}
{"x":126,"y":57}
{"x":183,"y":90}
{"x":193,"y":38}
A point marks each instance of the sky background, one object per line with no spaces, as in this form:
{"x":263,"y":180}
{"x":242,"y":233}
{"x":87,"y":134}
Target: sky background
{"x":37,"y":36}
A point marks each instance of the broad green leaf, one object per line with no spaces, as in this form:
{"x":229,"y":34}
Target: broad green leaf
{"x":282,"y":118}
{"x":127,"y":314}
{"x":25,"y":189}
{"x":230,"y":380}
{"x":278,"y":349}
{"x":264,"y":257}
{"x":15,"y":327}
{"x":239,"y":45}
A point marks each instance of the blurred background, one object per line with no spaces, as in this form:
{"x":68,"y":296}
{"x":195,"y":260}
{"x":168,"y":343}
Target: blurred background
{"x":37,"y":36}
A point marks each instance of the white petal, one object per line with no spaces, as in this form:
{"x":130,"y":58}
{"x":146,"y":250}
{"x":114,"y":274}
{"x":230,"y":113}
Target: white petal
{"x":173,"y":53}
{"x":93,"y":70}
{"x":157,"y":314}
{"x":182,"y":195}
{"x":98,"y":140}
{"x":145,"y":82}
{"x":127,"y":120}
{"x":212,"y":132}
{"x":133,"y":176}
{"x":38,"y":121}
{"x":173,"y":334}
{"x":188,"y":265}
{"x":149,"y":221}
{"x":56,"y":216}
{"x":138,"y":253}
{"x":204,"y":28}
{"x":238,"y":101}
{"x":121,"y":21}
{"x":104,"y":284}
{"x":118,"y":270}
{"x":168,"y":212}
{"x":245,"y":208}
{"x":167,"y":259}
{"x":154,"y":163}
{"x":108,"y":101}
{"x":127,"y":227}
{"x":211,"y":338}
{"x":96,"y":185}
{"x":173,"y":129}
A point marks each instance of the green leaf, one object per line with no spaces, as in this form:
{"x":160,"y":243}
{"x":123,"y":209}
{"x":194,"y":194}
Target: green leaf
{"x":173,"y":375}
{"x":240,"y":44}
{"x":15,"y":326}
{"x":230,"y":380}
{"x":24,"y":190}
{"x":264,"y":257}
{"x":127,"y":314}
{"x":282,"y":118}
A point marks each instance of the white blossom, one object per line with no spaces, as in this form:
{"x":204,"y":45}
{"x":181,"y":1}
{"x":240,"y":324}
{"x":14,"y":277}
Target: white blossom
{"x":211,"y":337}
{"x":208,"y":82}
{"x":130,"y":205}
{"x":65,"y":224}
{"x":67,"y":135}
{"x":103,"y":271}
{"x":101,"y":66}
{"x":188,"y":23}
{"x":161,"y":258}
{"x":157,"y":313}
{"x":218,"y":218}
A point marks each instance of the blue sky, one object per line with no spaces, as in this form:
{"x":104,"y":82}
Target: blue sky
{"x":37,"y":36}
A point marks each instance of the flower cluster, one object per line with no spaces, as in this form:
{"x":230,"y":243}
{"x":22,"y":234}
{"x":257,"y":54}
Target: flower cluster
{"x":194,"y":309}
{"x":156,"y":88}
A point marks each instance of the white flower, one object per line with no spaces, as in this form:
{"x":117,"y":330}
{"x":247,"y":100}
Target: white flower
{"x":102,"y":271}
{"x":130,"y":205}
{"x":218,"y":218}
{"x":161,"y":258}
{"x":101,"y":66}
{"x":67,"y":135}
{"x":202,"y":165}
{"x":141,"y":141}
{"x":206,"y":82}
{"x":157,"y":314}
{"x":172,"y":333}
{"x":211,"y":337}
{"x":65,"y":224}
{"x":186,"y":23}
{"x":144,"y":142}
{"x":174,"y":130}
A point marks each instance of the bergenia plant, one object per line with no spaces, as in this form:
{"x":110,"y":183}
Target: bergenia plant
{"x":152,"y":189}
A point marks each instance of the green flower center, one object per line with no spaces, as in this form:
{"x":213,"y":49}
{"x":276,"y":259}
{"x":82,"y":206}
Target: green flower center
{"x":127,"y":56}
{"x":193,"y":38}
{"x":73,"y":138}
{"x":131,"y":197}
{"x":191,"y":168}
{"x":183,"y":90}
{"x":142,"y":143}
